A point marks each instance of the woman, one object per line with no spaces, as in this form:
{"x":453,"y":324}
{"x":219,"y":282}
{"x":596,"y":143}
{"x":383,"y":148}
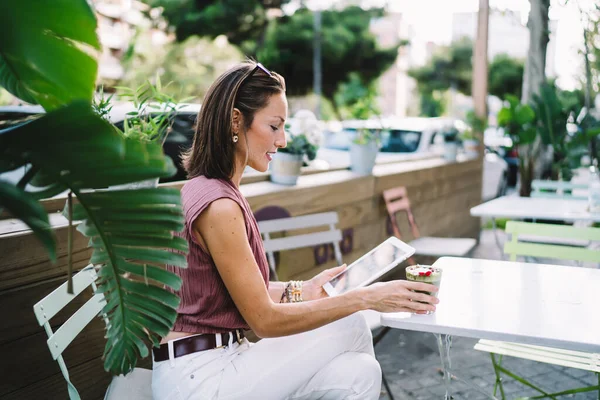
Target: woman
{"x":315,"y":347}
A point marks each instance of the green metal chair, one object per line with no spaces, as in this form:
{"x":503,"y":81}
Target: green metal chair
{"x":567,"y":358}
{"x":558,"y":189}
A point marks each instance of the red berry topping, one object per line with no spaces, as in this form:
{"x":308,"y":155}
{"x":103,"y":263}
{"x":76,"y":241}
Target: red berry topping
{"x":427,"y":273}
{"x":421,"y":273}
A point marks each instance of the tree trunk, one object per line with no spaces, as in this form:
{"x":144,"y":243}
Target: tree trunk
{"x":535,"y":66}
{"x":533,"y":78}
{"x":480,"y":66}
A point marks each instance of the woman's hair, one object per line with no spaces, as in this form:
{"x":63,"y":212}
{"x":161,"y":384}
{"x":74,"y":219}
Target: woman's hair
{"x":213,"y":150}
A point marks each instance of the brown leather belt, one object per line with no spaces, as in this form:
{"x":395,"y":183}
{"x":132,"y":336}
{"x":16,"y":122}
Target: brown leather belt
{"x":196,"y":343}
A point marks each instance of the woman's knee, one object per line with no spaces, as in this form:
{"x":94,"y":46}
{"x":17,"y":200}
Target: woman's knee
{"x":363,"y":374}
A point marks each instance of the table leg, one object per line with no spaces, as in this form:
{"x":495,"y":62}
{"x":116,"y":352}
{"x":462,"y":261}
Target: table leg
{"x":444,"y":345}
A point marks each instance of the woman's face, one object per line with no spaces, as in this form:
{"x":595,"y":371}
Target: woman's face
{"x":265,"y":135}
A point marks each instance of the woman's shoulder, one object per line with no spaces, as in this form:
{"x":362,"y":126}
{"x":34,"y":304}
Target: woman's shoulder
{"x":204,"y":184}
{"x":205,"y":190}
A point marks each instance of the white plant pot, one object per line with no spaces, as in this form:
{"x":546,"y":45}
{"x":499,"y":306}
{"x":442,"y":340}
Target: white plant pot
{"x":450,"y":151}
{"x":471,"y":148}
{"x":148,"y":183}
{"x":286,"y":168}
{"x":362,"y":157}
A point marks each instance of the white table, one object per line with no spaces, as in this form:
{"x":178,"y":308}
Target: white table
{"x":515,"y":207}
{"x":544,"y":305}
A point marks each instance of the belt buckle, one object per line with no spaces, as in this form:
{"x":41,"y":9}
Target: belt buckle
{"x":219,"y":338}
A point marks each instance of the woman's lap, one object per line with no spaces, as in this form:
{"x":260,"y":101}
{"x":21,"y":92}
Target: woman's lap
{"x":272,"y":368}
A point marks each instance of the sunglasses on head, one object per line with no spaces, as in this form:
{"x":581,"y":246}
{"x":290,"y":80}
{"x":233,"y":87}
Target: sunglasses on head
{"x":257,"y":67}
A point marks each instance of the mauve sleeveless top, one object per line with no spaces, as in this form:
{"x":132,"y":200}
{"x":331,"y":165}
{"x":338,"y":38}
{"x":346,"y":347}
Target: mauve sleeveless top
{"x":206,"y":306}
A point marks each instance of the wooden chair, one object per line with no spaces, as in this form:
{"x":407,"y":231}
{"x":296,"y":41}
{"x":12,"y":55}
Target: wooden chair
{"x":396,"y":200}
{"x":566,"y":358}
{"x":558,"y":189}
{"x":332,"y":236}
{"x":135,"y":386}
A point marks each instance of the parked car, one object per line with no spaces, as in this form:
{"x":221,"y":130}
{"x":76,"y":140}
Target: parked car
{"x":179,"y":139}
{"x":409,"y":138}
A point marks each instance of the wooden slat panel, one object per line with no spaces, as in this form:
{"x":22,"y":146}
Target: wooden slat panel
{"x":25,"y":261}
{"x":89,"y":378}
{"x":28,"y":360}
{"x":326,"y":194}
{"x":18,"y":319}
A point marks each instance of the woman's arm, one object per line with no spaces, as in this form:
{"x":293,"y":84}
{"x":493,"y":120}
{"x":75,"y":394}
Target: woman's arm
{"x":276,"y":290}
{"x":221,"y":228}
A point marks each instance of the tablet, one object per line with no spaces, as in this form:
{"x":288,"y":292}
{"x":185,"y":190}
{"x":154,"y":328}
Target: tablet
{"x":369,"y":267}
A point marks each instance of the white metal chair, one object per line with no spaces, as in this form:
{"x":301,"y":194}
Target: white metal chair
{"x":559,"y":189}
{"x":332,"y":236}
{"x":134,"y":386}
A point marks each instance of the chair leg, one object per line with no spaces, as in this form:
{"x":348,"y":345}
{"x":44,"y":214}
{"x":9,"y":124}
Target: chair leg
{"x":498,"y":382}
{"x":380,"y":335}
{"x":387,"y":386}
{"x":376,"y":340}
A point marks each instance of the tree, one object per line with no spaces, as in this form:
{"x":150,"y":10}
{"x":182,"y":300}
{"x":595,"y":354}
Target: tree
{"x":242,"y":21}
{"x":285,"y":44}
{"x":451,"y":67}
{"x":187,"y":68}
{"x":347,"y":46}
{"x":355,"y":100}
{"x":506,"y":76}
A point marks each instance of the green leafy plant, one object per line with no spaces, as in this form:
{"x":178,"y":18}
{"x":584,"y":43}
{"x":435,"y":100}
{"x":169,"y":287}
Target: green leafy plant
{"x":451,"y":135}
{"x":519,"y":122}
{"x":366,"y":136}
{"x":154,"y":111}
{"x":552,"y":128}
{"x":299,"y":144}
{"x":47,"y":59}
{"x":303,"y":136}
{"x":475,"y":127}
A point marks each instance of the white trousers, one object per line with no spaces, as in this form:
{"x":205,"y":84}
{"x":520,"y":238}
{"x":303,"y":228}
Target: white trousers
{"x":332,"y":362}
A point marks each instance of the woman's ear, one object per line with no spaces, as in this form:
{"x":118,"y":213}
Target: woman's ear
{"x":236,"y":121}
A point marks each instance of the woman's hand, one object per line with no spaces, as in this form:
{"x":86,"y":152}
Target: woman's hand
{"x":400,"y":295}
{"x":313,"y":289}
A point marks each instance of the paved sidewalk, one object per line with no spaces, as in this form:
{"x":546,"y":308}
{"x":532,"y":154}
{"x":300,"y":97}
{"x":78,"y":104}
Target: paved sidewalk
{"x":411,"y":362}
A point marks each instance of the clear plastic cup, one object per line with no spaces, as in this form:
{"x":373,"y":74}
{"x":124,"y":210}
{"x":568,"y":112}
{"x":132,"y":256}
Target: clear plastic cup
{"x":425,"y":274}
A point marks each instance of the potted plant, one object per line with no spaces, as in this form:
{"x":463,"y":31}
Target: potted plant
{"x":303,"y":139}
{"x":149,"y":120}
{"x":363,"y":151}
{"x":451,"y":143}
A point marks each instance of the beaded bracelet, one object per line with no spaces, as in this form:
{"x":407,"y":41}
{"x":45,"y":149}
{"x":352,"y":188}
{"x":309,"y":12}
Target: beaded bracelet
{"x":292,"y":292}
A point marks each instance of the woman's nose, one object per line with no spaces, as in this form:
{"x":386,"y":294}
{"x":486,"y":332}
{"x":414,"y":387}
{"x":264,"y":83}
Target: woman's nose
{"x":280,"y":141}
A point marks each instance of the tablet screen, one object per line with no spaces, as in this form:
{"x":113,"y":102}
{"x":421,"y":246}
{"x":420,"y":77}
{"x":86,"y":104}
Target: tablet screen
{"x":369,"y":267}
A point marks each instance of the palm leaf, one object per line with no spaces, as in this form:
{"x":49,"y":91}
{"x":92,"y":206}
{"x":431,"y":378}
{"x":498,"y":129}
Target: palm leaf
{"x":130,"y":231}
{"x":47,"y":50}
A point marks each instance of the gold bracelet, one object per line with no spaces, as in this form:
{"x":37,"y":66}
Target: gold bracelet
{"x":292,"y":292}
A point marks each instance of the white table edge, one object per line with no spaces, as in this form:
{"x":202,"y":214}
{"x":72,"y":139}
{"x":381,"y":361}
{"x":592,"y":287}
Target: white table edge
{"x":391,"y":322}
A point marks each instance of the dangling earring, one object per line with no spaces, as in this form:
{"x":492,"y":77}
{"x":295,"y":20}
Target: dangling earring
{"x":235,"y":138}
